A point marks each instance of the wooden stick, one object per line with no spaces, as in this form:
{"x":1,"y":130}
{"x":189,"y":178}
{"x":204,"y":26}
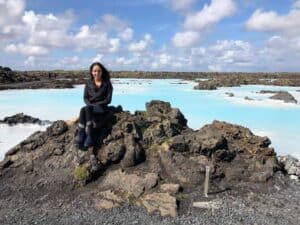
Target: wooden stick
{"x":206,"y":182}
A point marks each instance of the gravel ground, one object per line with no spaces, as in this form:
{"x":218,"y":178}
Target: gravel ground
{"x":282,"y":207}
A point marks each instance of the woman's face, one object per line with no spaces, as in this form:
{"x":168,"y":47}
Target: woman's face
{"x":97,"y":72}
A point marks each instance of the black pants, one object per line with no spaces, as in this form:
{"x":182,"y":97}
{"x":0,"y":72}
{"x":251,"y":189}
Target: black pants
{"x":87,"y":114}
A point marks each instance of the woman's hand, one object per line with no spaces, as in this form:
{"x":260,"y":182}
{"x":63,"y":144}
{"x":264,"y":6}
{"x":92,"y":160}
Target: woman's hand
{"x":98,"y":108}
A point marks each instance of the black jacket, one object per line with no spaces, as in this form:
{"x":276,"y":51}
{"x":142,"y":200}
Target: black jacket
{"x":94,"y":95}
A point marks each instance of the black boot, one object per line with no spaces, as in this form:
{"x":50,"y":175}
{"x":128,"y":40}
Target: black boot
{"x":80,"y":137}
{"x":89,"y":140}
{"x":95,"y":164}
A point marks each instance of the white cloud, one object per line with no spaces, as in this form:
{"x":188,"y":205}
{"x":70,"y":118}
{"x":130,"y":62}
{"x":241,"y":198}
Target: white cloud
{"x":111,"y":22}
{"x":200,"y":51}
{"x":31,"y":19}
{"x":128,"y":62}
{"x":297,"y":4}
{"x":120,"y":60}
{"x":237,"y":45}
{"x":177,"y":64}
{"x":186,"y":39}
{"x":148,"y":38}
{"x":270,"y":21}
{"x":98,"y":58}
{"x":210,"y":15}
{"x":164,"y":58}
{"x":96,"y":37}
{"x":26,"y":49}
{"x":30,"y":61}
{"x":11,"y":11}
{"x":138,"y":46}
{"x":39,"y":32}
{"x":11,"y":32}
{"x":43,"y":33}
{"x":197,"y":24}
{"x":167,"y":60}
{"x":92,"y":38}
{"x":126,"y":34}
{"x":34,"y":34}
{"x":114,"y":45}
{"x":276,"y":41}
{"x":215,"y":68}
{"x":49,"y":30}
{"x":226,"y":55}
{"x":282,"y":49}
{"x":51,"y":39}
{"x":69,"y":60}
{"x":74,"y":59}
{"x":84,"y":32}
{"x":181,"y":5}
{"x":124,"y":61}
{"x":231,"y":52}
{"x":154,"y":65}
{"x":141,"y":45}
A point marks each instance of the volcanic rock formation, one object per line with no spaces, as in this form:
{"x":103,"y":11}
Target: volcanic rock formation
{"x":150,"y":158}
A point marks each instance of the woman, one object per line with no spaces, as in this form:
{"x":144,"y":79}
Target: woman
{"x":97,"y":95}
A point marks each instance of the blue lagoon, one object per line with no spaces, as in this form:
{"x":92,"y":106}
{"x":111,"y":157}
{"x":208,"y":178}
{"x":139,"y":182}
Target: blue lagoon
{"x":265,"y":117}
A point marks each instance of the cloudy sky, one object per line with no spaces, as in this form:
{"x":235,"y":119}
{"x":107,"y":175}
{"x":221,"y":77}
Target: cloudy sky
{"x":173,"y":35}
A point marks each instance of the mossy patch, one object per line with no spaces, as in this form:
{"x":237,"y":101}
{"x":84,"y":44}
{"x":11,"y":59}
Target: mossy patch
{"x":81,"y":173}
{"x":131,"y":198}
{"x":148,"y":131}
{"x":182,"y":196}
{"x":144,"y":128}
{"x":166,"y":141}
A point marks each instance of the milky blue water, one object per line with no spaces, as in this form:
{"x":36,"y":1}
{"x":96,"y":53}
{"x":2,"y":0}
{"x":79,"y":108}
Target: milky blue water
{"x":275,"y":119}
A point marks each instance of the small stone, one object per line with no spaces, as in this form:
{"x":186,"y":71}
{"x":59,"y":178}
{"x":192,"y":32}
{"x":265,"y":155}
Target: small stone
{"x":131,"y":183}
{"x":215,"y":204}
{"x":58,"y":151}
{"x":248,"y":98}
{"x":105,"y":204}
{"x":293,"y":177}
{"x":284,"y":96}
{"x":163,"y":202}
{"x":170,"y":188}
{"x":72,"y":121}
{"x":108,"y":199}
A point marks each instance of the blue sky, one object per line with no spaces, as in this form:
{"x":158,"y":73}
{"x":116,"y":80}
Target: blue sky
{"x":156,"y":35}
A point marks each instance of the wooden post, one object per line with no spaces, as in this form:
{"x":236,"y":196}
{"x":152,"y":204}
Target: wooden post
{"x":206,"y":182}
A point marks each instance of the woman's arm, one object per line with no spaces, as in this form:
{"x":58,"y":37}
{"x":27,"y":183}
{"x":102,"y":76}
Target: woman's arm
{"x":86,"y":96}
{"x":108,"y":97}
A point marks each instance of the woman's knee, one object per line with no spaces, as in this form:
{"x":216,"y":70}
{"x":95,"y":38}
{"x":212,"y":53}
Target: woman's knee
{"x":85,"y":108}
{"x":82,"y":110}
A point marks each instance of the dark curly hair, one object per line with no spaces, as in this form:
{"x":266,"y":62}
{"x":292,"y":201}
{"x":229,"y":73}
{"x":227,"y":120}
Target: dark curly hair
{"x":105,"y":73}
